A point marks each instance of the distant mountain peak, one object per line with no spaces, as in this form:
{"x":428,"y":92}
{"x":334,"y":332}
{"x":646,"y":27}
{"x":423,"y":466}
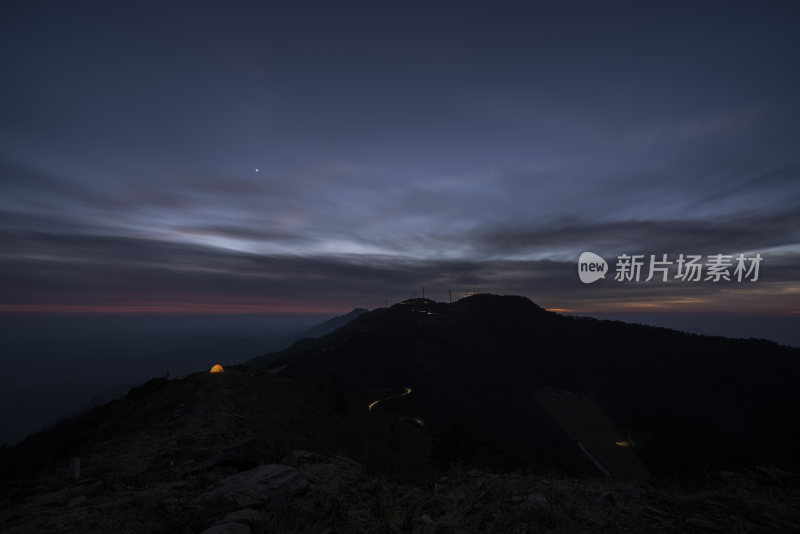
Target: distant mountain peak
{"x":478,"y":361}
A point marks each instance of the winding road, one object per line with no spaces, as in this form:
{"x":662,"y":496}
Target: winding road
{"x":372,"y":404}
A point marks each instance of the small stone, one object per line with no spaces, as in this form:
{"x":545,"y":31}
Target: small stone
{"x":516,"y":499}
{"x":467,"y":510}
{"x":228,"y":528}
{"x":372,"y":485}
{"x":772,"y":472}
{"x":537,"y":499}
{"x":443,"y":480}
{"x":431,"y":508}
{"x":246,"y":515}
{"x":171,"y":504}
{"x":425,"y":518}
{"x":701,"y":523}
{"x":597,"y":522}
{"x":304,"y":457}
{"x":247,"y":500}
{"x":656,"y":511}
{"x":413,"y":493}
{"x":77,"y":501}
{"x":475,"y":472}
{"x":347,"y":462}
{"x":605,"y":498}
{"x":629,"y":489}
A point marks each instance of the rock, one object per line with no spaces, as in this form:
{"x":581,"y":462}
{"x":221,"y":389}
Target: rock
{"x":537,"y":499}
{"x":442,"y":480}
{"x":467,"y":510}
{"x":701,"y":523}
{"x":171,"y":504}
{"x":413,"y":493}
{"x":475,"y":472}
{"x":77,"y":501}
{"x":347,"y":462}
{"x":372,"y":485}
{"x":228,"y":528}
{"x":605,"y":498}
{"x":304,"y":457}
{"x":244,"y":455}
{"x":597,"y":522}
{"x":516,"y":499}
{"x":656,"y":511}
{"x":257,"y":485}
{"x":628,"y":489}
{"x":277,"y":501}
{"x":425,"y":518}
{"x":431,"y":508}
{"x":772,"y":472}
{"x":247,"y":516}
{"x":772,"y":518}
{"x":728,"y":474}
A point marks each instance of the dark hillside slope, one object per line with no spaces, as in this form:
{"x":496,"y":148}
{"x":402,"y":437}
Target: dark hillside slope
{"x":168,"y":425}
{"x":688,"y":403}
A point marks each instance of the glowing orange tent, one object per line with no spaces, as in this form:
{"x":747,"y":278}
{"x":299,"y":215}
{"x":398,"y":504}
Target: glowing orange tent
{"x":217,"y":369}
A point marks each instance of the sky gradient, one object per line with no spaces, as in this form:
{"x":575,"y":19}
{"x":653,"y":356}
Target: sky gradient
{"x":456,"y":146}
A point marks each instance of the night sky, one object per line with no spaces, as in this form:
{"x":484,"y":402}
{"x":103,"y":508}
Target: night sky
{"x":232,"y":157}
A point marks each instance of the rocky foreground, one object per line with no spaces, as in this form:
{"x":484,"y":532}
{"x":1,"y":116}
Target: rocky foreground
{"x":249,"y":452}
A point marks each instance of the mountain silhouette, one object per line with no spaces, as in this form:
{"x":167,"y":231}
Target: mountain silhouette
{"x":685,"y":403}
{"x":429,"y":417}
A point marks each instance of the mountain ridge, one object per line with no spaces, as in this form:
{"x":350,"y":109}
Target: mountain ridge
{"x":467,"y":360}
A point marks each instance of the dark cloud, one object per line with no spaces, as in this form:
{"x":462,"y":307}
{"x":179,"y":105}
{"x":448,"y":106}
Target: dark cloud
{"x":468,"y":149}
{"x":742,"y":232}
{"x":72,"y":269}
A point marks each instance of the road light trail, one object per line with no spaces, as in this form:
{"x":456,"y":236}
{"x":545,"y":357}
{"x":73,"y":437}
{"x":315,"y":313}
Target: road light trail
{"x":372,"y":404}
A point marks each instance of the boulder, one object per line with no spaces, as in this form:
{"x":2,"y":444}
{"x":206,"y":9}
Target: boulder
{"x":257,"y":485}
{"x":247,"y":516}
{"x":537,"y":499}
{"x":228,"y":528}
{"x":304,"y":457}
{"x":244,"y":455}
